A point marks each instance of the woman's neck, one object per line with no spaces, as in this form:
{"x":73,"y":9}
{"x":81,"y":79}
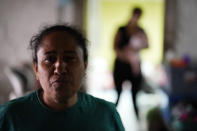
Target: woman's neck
{"x":58,"y":104}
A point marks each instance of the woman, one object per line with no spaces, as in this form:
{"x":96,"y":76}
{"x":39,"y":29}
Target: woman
{"x":129,"y":40}
{"x":59,"y":61}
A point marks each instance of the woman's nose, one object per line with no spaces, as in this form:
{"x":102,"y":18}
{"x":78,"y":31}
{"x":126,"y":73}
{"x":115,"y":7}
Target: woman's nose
{"x":60,"y":67}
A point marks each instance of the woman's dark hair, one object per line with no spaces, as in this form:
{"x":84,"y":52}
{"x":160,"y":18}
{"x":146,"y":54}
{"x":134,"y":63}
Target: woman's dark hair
{"x":36,"y":41}
{"x":137,"y":11}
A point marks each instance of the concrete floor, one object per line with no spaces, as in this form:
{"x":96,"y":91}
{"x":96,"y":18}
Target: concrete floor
{"x":125,"y":106}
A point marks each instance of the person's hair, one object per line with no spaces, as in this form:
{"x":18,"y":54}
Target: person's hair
{"x":36,"y":40}
{"x":137,"y":11}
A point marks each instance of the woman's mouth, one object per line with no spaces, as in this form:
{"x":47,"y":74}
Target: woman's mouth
{"x":60,"y":83}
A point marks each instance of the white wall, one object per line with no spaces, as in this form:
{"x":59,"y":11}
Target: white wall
{"x":19,"y":21}
{"x":186,"y":28}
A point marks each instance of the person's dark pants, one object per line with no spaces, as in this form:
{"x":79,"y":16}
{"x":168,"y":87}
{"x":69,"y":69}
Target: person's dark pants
{"x":122,"y":72}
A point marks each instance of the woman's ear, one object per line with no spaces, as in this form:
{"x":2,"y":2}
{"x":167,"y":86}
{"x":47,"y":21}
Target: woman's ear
{"x":35,"y":68}
{"x":85,"y":65}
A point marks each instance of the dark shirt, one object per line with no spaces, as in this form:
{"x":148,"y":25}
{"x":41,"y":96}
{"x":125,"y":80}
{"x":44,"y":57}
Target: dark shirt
{"x":125,"y":37}
{"x":28,"y":113}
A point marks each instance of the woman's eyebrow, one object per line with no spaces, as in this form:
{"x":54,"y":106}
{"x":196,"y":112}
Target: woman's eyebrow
{"x":50,"y":52}
{"x":69,"y":52}
{"x":65,"y":52}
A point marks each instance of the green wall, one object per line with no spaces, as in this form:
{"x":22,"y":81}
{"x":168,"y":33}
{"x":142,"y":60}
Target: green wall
{"x":114,"y":13}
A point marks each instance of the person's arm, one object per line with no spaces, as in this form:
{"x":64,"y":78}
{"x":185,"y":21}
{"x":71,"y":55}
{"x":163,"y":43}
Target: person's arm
{"x":119,"y":52}
{"x":138,"y":41}
{"x":145,"y":40}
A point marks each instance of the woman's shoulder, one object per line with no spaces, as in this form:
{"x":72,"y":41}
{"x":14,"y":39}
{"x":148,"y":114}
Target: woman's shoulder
{"x":102,"y":110}
{"x":95,"y":102}
{"x":15,"y":103}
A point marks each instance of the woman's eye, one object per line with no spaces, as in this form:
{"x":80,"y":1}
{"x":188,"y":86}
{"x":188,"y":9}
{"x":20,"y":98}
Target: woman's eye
{"x":70,"y":58}
{"x":50,"y":59}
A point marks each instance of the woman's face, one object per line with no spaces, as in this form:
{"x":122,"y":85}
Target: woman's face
{"x":60,"y":67}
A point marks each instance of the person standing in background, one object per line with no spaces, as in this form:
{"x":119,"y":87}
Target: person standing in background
{"x":129,"y":40}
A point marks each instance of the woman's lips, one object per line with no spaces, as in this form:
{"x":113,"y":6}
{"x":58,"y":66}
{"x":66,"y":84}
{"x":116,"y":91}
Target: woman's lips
{"x":59,"y":82}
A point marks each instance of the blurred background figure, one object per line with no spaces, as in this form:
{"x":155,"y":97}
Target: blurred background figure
{"x":129,"y":40}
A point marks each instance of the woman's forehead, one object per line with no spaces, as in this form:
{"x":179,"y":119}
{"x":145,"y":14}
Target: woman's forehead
{"x":60,"y":38}
{"x":59,"y":42}
{"x":59,"y":50}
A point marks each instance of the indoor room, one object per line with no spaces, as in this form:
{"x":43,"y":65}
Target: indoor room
{"x":165,"y":59}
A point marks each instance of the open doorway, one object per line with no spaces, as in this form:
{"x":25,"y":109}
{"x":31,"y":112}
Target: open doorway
{"x":103,"y":19}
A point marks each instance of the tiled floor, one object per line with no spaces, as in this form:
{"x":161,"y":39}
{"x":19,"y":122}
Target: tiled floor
{"x":100,"y":84}
{"x":125,"y":106}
